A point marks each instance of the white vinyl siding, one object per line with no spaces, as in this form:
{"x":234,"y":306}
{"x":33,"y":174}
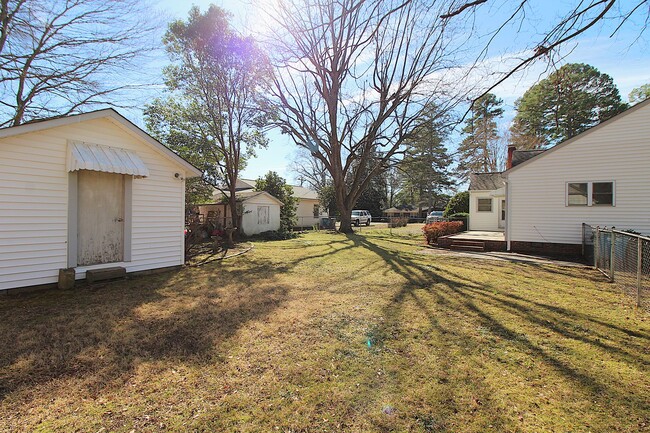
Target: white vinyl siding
{"x":617,"y":152}
{"x":34,"y":203}
{"x":484,"y":220}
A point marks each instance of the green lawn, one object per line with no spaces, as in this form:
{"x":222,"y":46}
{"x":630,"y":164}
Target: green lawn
{"x":330,"y":333}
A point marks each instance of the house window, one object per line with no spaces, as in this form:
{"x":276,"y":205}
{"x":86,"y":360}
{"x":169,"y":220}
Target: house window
{"x":590,"y":194}
{"x":484,"y":205}
{"x":263,"y":215}
{"x":602,"y":193}
{"x":316,"y":211}
{"x":578,"y":194}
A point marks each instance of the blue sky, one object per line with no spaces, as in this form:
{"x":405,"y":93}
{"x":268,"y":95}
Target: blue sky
{"x":624,"y":57}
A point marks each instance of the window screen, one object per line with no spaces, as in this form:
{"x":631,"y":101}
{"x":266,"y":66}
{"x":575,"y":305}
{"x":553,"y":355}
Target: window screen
{"x":602,"y":193}
{"x":578,"y":193}
{"x":485,"y":205}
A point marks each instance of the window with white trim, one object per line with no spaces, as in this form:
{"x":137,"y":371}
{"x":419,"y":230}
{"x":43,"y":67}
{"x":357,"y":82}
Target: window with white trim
{"x":590,"y":194}
{"x":316,"y":210}
{"x":484,"y":205}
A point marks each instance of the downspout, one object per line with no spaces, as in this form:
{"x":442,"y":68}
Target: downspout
{"x":507,"y":214}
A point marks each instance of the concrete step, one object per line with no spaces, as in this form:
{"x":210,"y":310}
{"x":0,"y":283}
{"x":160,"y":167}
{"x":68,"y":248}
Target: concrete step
{"x":466,"y":248}
{"x":113,"y":273}
{"x":468,"y":243}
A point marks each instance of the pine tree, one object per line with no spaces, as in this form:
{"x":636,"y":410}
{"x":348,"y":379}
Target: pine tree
{"x":479,"y":151}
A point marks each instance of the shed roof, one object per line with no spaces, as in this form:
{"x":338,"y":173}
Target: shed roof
{"x":116,"y":118}
{"x":486,"y":181}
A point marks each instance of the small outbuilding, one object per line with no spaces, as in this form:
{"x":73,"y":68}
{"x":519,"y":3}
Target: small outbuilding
{"x":87,"y":192}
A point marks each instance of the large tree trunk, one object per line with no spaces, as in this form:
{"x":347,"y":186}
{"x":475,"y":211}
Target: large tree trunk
{"x":346,"y":220}
{"x":232,"y":203}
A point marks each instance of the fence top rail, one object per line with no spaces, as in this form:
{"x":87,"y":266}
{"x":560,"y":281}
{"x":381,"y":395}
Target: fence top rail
{"x":613,"y":230}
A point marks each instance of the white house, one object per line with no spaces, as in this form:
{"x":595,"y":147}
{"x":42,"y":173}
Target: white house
{"x":600,"y":177}
{"x":87,"y":191}
{"x":308,"y":210}
{"x":260,"y":212}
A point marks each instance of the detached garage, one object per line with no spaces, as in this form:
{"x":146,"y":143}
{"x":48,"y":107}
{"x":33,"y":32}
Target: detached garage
{"x":88,"y":191}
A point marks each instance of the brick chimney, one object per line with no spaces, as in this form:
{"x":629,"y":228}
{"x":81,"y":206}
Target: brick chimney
{"x":511,"y":150}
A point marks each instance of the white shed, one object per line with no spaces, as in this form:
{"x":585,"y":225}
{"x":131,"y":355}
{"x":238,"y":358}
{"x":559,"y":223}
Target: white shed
{"x":600,"y":177}
{"x":87,"y":191}
{"x":261,"y":212}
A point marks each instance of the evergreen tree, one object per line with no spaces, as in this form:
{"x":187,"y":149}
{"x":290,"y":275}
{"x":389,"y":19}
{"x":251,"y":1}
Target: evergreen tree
{"x":426,"y":161}
{"x":479,"y":151}
{"x":572,"y":99}
{"x":278,"y":188}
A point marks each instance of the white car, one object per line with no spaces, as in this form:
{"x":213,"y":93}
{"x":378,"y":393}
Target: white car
{"x":361,"y":217}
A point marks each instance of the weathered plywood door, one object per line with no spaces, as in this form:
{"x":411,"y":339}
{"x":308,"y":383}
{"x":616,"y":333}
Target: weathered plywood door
{"x":100,"y":218}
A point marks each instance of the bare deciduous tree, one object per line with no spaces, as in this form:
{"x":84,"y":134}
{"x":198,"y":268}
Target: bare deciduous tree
{"x":352,"y":78}
{"x":57,"y":56}
{"x":309,"y":169}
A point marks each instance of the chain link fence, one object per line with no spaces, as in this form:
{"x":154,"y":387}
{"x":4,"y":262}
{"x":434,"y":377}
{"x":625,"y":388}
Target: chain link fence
{"x":623,"y":257}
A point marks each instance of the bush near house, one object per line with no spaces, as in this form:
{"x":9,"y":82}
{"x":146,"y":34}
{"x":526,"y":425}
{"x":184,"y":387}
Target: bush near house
{"x":434,"y":230}
{"x":395,"y":222}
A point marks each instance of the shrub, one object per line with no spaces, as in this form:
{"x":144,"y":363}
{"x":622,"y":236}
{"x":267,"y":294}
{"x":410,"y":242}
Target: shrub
{"x":397,"y":222}
{"x":434,"y":230}
{"x":277,"y":235}
{"x":457,"y":204}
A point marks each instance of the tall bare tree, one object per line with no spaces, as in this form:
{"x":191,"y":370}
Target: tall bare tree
{"x":57,"y":56}
{"x":309,"y":169}
{"x":351,"y":79}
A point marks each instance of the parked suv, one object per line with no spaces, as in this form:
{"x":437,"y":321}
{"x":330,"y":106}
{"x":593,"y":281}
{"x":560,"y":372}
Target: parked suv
{"x":361,"y":217}
{"x":435,"y":216}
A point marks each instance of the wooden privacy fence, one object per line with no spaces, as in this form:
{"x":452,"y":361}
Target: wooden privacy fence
{"x":623,"y":257}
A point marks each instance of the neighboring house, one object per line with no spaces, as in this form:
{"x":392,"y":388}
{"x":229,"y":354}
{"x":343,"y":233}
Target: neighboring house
{"x":308,"y":210}
{"x":87,"y":191}
{"x":600,"y":177}
{"x":394,"y":212}
{"x":260,"y":212}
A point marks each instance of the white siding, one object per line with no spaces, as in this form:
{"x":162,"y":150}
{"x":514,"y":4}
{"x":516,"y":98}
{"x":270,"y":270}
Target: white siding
{"x":618,"y":151}
{"x":484,"y":221}
{"x":250,"y":224}
{"x":305,"y":212}
{"x":34,"y":203}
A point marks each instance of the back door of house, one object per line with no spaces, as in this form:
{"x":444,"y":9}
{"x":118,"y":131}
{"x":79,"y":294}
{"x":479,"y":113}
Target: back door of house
{"x":100,"y":219}
{"x":502,"y":213}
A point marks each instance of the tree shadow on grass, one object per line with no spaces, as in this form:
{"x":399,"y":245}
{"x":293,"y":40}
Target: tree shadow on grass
{"x":503,"y":315}
{"x":103,"y":332}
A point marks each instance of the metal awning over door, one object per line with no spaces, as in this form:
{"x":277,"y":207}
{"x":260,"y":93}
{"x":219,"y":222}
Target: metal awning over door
{"x":96,"y":157}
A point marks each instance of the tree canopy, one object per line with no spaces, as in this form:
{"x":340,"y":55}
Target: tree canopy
{"x":214,"y":113}
{"x":639,"y":94}
{"x":572,"y":99}
{"x":480,"y":149}
{"x":277,"y":186}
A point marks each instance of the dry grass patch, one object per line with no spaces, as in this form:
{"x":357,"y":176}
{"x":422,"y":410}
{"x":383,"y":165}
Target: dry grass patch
{"x":330,"y":333}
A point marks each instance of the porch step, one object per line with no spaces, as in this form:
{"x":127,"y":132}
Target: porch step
{"x":105,"y":274}
{"x":467,"y":245}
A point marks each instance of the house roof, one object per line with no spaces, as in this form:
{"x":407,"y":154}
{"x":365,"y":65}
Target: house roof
{"x":249,"y":194}
{"x":108,"y":113}
{"x":298,"y":191}
{"x":486,"y":181}
{"x":521,"y":156}
{"x":582,"y":135}
{"x":306,"y":193}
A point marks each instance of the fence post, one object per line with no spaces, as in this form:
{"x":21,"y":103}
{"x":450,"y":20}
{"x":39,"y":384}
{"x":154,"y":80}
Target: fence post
{"x":596,"y":247}
{"x":612,"y":255}
{"x":639,"y":265}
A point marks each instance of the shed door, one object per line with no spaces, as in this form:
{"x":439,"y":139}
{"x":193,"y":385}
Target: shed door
{"x":100,"y":219}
